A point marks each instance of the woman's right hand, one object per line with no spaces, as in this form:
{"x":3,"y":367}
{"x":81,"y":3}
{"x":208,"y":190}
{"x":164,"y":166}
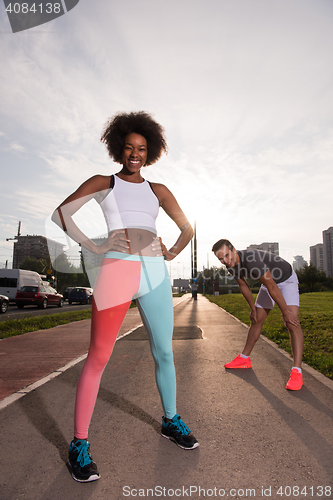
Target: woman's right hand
{"x":117,"y":241}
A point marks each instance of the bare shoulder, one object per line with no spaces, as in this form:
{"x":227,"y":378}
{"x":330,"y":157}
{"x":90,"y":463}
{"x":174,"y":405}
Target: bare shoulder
{"x":91,"y":188}
{"x":94,"y":185}
{"x":98,"y":182}
{"x":159,"y":187}
{"x":162,"y":192}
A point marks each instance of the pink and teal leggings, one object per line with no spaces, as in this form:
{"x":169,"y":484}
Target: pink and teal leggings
{"x":121,"y":278}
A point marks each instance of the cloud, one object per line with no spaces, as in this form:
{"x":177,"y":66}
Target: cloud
{"x":242,"y":89}
{"x":14,"y":147}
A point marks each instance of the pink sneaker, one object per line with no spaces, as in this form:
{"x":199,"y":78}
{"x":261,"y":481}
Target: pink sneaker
{"x":239,"y":362}
{"x":296,"y":380}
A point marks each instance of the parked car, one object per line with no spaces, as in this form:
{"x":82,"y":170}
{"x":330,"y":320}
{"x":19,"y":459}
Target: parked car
{"x":80,"y":294}
{"x":66,"y":292}
{"x":41,"y":296}
{"x":4,"y":303}
{"x":12,"y":280}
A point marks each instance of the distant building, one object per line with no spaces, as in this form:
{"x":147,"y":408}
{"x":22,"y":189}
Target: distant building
{"x":35,"y":247}
{"x":266,"y":246}
{"x":299,"y":262}
{"x":328,"y":251}
{"x":317,"y":256}
{"x":182,"y":284}
{"x":92,"y":260}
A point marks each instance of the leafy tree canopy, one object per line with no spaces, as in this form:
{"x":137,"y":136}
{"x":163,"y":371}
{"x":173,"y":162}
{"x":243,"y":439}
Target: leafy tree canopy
{"x":309,"y":276}
{"x":31,"y":264}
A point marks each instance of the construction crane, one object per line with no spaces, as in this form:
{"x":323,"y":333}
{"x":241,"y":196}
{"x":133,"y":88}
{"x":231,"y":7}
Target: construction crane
{"x":18,"y":233}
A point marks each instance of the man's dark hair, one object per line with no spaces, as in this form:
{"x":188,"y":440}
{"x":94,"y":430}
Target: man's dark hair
{"x":221,"y":243}
{"x":123,"y":124}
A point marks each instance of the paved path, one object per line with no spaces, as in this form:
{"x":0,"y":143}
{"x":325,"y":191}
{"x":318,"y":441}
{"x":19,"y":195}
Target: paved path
{"x":38,"y":356}
{"x":257,"y":440}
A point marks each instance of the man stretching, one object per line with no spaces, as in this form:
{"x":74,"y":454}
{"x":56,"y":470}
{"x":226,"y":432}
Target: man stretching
{"x":280,"y":285}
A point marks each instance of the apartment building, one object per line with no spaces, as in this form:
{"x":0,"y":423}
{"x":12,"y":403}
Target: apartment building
{"x":317,"y":256}
{"x":266,"y":246}
{"x":37,"y":247}
{"x":328,"y":251}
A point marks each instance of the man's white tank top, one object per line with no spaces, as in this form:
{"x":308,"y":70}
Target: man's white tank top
{"x":130,"y":205}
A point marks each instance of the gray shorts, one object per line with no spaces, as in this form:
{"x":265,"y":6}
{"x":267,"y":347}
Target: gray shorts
{"x":289,"y":290}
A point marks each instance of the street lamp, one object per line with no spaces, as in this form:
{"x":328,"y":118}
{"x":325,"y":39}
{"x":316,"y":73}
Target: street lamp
{"x":194,"y":262}
{"x":182,"y":263}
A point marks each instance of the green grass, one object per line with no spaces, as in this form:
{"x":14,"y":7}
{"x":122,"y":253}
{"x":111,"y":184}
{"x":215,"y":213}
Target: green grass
{"x":13,"y":327}
{"x":316,"y":317}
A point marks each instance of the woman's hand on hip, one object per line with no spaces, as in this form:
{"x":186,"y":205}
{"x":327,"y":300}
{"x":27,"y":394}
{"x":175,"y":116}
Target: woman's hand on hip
{"x":161,"y":250}
{"x":117,"y":241}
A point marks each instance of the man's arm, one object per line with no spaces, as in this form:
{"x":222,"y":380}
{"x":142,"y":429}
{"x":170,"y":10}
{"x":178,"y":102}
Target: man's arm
{"x":247,"y":294}
{"x":277,"y":296}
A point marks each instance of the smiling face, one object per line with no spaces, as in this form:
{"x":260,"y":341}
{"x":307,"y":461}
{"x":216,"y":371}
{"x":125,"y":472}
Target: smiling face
{"x":135,"y":153}
{"x":228,"y":257}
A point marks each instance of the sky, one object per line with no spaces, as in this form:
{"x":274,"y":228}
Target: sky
{"x":243,"y":89}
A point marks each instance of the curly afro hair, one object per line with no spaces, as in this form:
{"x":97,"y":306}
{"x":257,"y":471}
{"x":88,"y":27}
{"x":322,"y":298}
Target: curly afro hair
{"x":123,"y":124}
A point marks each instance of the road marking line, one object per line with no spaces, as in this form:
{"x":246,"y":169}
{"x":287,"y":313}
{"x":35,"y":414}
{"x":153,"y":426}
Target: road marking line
{"x":22,"y":392}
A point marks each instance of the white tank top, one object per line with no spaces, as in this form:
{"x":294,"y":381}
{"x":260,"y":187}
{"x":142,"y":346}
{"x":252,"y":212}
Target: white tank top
{"x":130,"y":205}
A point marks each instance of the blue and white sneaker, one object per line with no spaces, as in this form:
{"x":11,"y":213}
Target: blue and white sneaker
{"x":179,"y":433}
{"x":83,"y":468}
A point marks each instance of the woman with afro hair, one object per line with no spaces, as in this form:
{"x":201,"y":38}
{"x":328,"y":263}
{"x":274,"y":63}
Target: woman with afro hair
{"x":133,"y":267}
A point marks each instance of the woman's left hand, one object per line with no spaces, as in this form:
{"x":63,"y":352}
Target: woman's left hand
{"x":161,"y":250}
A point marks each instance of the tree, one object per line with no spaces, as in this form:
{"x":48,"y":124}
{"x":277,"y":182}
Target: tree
{"x":62,"y":265}
{"x":310,"y":276}
{"x":32,"y":264}
{"x":68,"y":274}
{"x":210,"y":279}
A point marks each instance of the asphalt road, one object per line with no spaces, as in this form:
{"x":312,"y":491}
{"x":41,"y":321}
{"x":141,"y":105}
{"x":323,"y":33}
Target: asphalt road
{"x":257,"y":440}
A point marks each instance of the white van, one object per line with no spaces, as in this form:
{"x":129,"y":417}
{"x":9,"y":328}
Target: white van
{"x":11,"y":280}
